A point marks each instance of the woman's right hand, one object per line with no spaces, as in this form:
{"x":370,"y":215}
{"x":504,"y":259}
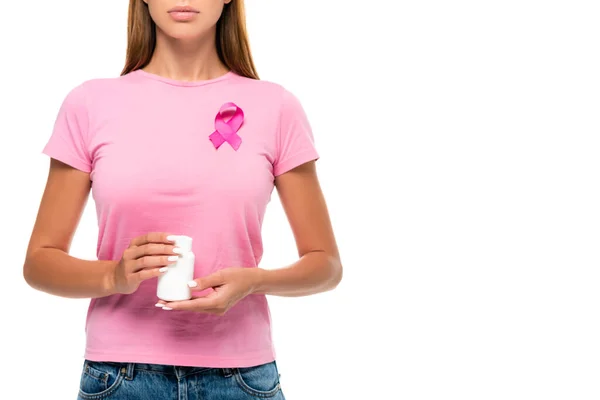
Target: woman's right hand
{"x":146,"y":257}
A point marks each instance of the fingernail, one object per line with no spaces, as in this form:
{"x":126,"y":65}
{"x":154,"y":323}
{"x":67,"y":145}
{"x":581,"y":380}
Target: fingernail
{"x":158,"y":305}
{"x":164,"y":269}
{"x":177,"y":250}
{"x":167,"y":308}
{"x":192,"y":283}
{"x":173,"y":258}
{"x":171,"y":238}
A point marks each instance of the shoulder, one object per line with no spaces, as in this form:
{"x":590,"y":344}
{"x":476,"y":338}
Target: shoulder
{"x":97,"y":91}
{"x":273,"y":93}
{"x":107,"y":84}
{"x":94,"y":86}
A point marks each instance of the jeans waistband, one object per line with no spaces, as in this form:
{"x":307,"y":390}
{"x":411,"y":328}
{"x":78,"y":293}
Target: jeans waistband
{"x":128,"y":369}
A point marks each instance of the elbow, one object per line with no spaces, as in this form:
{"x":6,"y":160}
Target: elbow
{"x":29,"y":271}
{"x":336,"y":272}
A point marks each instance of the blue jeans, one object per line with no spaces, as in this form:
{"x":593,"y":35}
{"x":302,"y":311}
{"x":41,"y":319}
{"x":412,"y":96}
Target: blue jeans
{"x":132,"y":381}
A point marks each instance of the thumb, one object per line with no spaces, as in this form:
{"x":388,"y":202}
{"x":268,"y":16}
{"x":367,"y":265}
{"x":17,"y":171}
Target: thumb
{"x":212,"y":280}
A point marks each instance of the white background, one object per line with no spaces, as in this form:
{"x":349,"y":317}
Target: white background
{"x":459,"y":144}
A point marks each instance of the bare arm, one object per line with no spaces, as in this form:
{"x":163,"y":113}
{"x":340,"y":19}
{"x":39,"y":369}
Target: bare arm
{"x":48,"y":266}
{"x":319,"y":268}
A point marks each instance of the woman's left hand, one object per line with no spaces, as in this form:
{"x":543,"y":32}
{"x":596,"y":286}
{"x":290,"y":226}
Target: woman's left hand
{"x":229,"y":285}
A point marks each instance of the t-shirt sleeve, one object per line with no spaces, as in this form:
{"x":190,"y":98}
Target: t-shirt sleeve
{"x":295,"y":140}
{"x":68,"y":142}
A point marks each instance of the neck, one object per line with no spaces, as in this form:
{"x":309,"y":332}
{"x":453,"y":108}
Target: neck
{"x":186,"y":60}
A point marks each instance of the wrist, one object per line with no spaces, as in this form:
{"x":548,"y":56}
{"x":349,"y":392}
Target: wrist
{"x":259,"y":279}
{"x":109,"y":281}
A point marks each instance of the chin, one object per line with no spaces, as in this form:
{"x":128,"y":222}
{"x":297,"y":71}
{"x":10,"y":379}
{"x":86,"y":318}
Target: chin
{"x":185,"y":37}
{"x":183,"y":32}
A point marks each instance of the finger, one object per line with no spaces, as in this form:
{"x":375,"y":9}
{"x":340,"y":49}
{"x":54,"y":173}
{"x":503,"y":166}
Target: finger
{"x":161,"y":303}
{"x":150,"y":262}
{"x":146,"y":274}
{"x":206,"y":282}
{"x":150,"y":249}
{"x":202,"y":293}
{"x":199,"y":304}
{"x":152,"y":237}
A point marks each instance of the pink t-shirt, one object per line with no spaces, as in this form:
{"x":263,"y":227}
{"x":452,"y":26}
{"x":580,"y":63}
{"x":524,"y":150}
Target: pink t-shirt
{"x":144,"y":139}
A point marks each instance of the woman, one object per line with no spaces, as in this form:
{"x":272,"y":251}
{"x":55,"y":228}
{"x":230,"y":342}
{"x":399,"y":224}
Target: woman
{"x":160,"y":151}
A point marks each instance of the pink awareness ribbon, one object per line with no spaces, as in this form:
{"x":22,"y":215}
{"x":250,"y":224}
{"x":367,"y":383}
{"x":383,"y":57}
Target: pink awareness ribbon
{"x":227,"y":131}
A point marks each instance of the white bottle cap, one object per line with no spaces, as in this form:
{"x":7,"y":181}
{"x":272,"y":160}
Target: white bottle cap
{"x":183,"y":242}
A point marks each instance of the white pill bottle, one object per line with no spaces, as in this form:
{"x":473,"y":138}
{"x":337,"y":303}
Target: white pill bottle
{"x":173,"y":284}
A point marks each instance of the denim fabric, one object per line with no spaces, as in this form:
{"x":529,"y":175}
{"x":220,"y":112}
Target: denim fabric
{"x":132,"y":381}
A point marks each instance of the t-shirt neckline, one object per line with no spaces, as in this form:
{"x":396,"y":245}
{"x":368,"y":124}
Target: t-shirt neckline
{"x":176,"y":82}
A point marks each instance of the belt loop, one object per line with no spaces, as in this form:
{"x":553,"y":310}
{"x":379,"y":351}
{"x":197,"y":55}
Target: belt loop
{"x":129,"y":371}
{"x":227,"y":372}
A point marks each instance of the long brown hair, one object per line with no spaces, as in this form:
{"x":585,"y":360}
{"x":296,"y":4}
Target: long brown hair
{"x":232,"y":42}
